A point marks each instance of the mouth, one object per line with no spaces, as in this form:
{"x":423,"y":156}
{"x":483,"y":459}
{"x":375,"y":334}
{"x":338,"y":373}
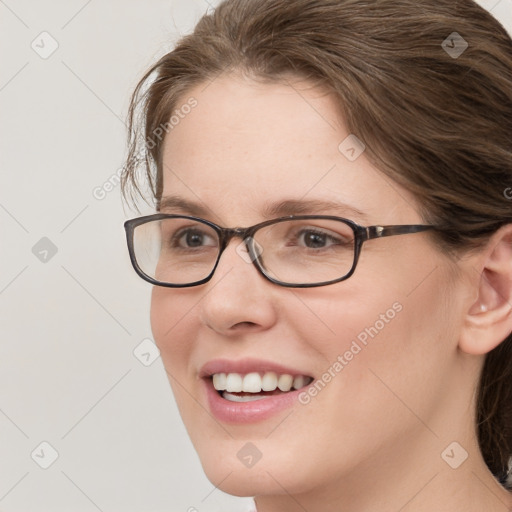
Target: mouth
{"x":251,"y":390}
{"x":249,"y":387}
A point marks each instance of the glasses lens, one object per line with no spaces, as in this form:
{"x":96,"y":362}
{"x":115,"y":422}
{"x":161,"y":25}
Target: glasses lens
{"x":306,"y":251}
{"x":175,"y":250}
{"x":183,"y":251}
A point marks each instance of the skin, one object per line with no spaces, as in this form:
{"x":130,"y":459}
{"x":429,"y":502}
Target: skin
{"x":372,"y":439}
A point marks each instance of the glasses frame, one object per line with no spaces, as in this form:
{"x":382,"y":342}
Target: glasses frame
{"x":361,"y":234}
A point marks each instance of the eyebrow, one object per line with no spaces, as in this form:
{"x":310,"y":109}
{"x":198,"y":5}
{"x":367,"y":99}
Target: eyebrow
{"x":270,"y":210}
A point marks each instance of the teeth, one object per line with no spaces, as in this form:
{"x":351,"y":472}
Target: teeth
{"x":269,"y":381}
{"x":251,"y":383}
{"x":300,"y":381}
{"x":254,"y":382}
{"x":238,"y":398}
{"x":285,"y":382}
{"x":234,"y":382}
{"x":219,"y":381}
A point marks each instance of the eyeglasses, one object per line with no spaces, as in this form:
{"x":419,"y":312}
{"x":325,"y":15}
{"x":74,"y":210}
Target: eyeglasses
{"x":296,"y":251}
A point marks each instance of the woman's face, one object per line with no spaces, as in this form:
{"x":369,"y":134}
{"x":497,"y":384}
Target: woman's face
{"x":383,"y":343}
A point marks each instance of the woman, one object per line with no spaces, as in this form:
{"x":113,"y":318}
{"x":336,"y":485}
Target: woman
{"x":352,"y":350}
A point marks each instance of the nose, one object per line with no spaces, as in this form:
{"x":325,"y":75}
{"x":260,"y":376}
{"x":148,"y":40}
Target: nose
{"x":238,"y":298}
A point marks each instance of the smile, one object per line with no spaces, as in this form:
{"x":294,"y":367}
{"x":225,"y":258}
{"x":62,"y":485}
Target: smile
{"x":250,"y":390}
{"x":237,"y":387}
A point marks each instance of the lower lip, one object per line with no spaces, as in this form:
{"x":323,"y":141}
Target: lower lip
{"x":247,"y":412}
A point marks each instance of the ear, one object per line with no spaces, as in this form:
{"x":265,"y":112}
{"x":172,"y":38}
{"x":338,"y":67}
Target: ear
{"x":489,"y":319}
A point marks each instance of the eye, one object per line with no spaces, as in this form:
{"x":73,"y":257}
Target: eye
{"x":190,"y":238}
{"x":316,"y":239}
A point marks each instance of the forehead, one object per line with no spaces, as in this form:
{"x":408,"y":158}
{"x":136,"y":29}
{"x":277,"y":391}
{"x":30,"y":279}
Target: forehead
{"x":235,"y":116}
{"x":247,"y":143}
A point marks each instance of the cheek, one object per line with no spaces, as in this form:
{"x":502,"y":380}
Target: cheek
{"x":172,"y":325}
{"x":384,"y":349}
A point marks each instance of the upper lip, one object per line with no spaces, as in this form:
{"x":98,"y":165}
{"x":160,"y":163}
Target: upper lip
{"x":244,"y":366}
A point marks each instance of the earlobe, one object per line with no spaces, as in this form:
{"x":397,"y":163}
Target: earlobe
{"x":489,"y":319}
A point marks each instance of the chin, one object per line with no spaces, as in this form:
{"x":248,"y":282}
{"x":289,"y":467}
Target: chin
{"x":247,"y":485}
{"x":224,"y":465}
{"x":244,"y":482}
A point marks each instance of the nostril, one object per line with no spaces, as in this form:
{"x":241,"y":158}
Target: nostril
{"x":244,"y":324}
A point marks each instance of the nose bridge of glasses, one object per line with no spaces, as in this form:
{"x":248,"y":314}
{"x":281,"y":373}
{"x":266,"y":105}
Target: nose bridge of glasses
{"x":248,"y":249}
{"x":227,"y":234}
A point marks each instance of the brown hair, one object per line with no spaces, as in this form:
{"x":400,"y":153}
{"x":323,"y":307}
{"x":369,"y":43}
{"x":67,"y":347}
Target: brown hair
{"x":437,"y":122}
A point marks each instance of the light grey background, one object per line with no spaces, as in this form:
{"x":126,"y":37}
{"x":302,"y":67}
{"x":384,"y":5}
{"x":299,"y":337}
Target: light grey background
{"x":70,"y":321}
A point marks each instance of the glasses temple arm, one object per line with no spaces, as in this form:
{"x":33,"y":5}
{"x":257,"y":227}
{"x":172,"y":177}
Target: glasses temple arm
{"x":381,"y":231}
